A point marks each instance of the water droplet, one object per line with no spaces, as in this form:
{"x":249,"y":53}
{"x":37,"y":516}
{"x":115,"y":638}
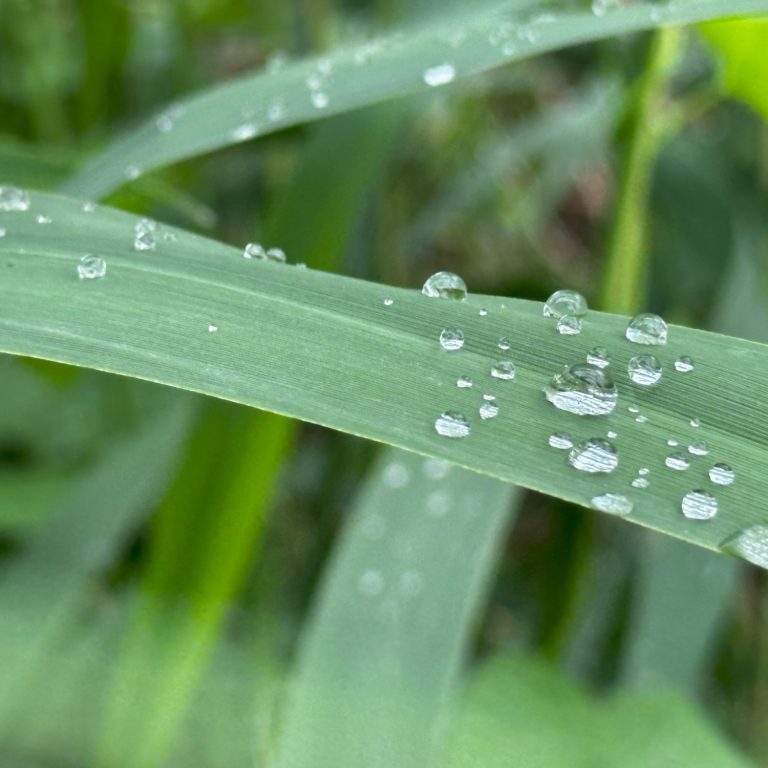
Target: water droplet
{"x":260,"y":253}
{"x":582,"y":389}
{"x":722,"y":474}
{"x":483,"y":313}
{"x":91,"y":267}
{"x":612,"y":435}
{"x":489,"y":411}
{"x":647,"y":328}
{"x":644,"y":370}
{"x":144,"y":235}
{"x":442,"y":74}
{"x":594,"y":455}
{"x":684,"y":364}
{"x":751,"y":544}
{"x":132,"y":172}
{"x":213,"y":328}
{"x":13,"y":199}
{"x":445,"y":285}
{"x":451,"y":339}
{"x":244,"y":132}
{"x":562,"y":303}
{"x":613,"y":503}
{"x":672,"y":443}
{"x":464,"y":382}
{"x":698,"y":448}
{"x":371,"y":583}
{"x":2,"y":232}
{"x":640,"y":482}
{"x":452,"y":424}
{"x":695,"y":422}
{"x":643,"y":471}
{"x":504,"y":343}
{"x":561,"y":441}
{"x":435,"y":469}
{"x":396,"y":475}
{"x":599,"y":356}
{"x":633,"y":409}
{"x":320,"y":100}
{"x":276,"y":255}
{"x":388,"y":302}
{"x":438,"y":503}
{"x":275,"y":110}
{"x":569,"y":325}
{"x":504,"y":370}
{"x":699,"y":505}
{"x":678,"y":461}
{"x":89,"y":206}
{"x":41,"y":219}
{"x":164,"y":124}
{"x":640,"y":419}
{"x":490,"y":398}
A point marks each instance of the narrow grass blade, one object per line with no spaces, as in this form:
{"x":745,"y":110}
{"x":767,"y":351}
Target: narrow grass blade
{"x":369,"y":73}
{"x":382,"y":654}
{"x":327,"y":349}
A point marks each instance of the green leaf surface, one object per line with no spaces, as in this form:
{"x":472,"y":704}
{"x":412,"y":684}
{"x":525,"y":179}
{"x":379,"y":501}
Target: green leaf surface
{"x":382,"y":654}
{"x":369,"y":73}
{"x":326,"y":349}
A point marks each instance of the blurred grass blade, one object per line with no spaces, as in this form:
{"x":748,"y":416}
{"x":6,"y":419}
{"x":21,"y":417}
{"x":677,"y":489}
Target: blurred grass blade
{"x":43,"y":588}
{"x":326,"y":349}
{"x":382,"y":654}
{"x":370,"y":73}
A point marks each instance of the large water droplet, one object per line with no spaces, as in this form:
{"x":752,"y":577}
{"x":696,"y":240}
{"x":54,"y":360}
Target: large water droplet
{"x":599,"y":356}
{"x":451,"y":339}
{"x":569,"y":325}
{"x":504,"y":370}
{"x":464,"y":382}
{"x":562,"y":303}
{"x":698,"y":448}
{"x":594,"y":455}
{"x":91,"y":267}
{"x":644,"y":370}
{"x":452,"y":424}
{"x":144,"y":235}
{"x":442,"y":74}
{"x":489,"y":410}
{"x":445,"y":285}
{"x":722,"y":474}
{"x":699,"y":505}
{"x":751,"y":544}
{"x":678,"y":461}
{"x":647,"y":329}
{"x":684,"y":364}
{"x":582,"y":389}
{"x":613,"y":503}
{"x":13,"y":199}
{"x":561,"y":441}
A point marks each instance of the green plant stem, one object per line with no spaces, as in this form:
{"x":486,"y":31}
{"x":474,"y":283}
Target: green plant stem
{"x":625,"y":266}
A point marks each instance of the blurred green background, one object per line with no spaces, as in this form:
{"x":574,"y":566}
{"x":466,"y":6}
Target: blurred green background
{"x":163,"y":556}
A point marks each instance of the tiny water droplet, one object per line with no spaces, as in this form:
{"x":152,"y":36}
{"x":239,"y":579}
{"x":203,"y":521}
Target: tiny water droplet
{"x":388,"y":302}
{"x":213,"y":328}
{"x":643,"y":471}
{"x":678,"y":461}
{"x":320,"y":100}
{"x":452,"y":424}
{"x":275,"y":110}
{"x":91,"y":267}
{"x":582,"y":389}
{"x":89,"y":206}
{"x":594,"y":455}
{"x":276,"y":255}
{"x":569,"y":325}
{"x":644,"y":370}
{"x":599,"y":356}
{"x":483,"y":313}
{"x":504,"y":370}
{"x":633,"y":409}
{"x":451,"y":339}
{"x":613,"y":503}
{"x":722,"y":474}
{"x":438,"y":503}
{"x":561,"y":441}
{"x":164,"y":124}
{"x":612,"y":435}
{"x":640,"y":482}
{"x":489,"y":411}
{"x":435,"y":469}
{"x":396,"y":475}
{"x":464,"y":382}
{"x":750,"y":544}
{"x":132,"y":172}
{"x":411,"y":583}
{"x":695,"y":422}
{"x":647,"y":328}
{"x":698,"y":448}
{"x":672,"y":443}
{"x":41,"y":219}
{"x":565,"y":302}
{"x":504,"y":343}
{"x":244,"y":132}
{"x":144,"y":235}
{"x":490,"y":398}
{"x":2,"y":232}
{"x":699,"y":505}
{"x":640,"y":419}
{"x":442,"y":74}
{"x":13,"y":199}
{"x":684,"y":364}
{"x":445,"y":285}
{"x":371,"y":583}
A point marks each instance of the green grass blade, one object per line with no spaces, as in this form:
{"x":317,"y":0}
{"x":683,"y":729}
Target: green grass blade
{"x":382,"y":653}
{"x":326,"y":349}
{"x":368,"y":74}
{"x":42,"y":589}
